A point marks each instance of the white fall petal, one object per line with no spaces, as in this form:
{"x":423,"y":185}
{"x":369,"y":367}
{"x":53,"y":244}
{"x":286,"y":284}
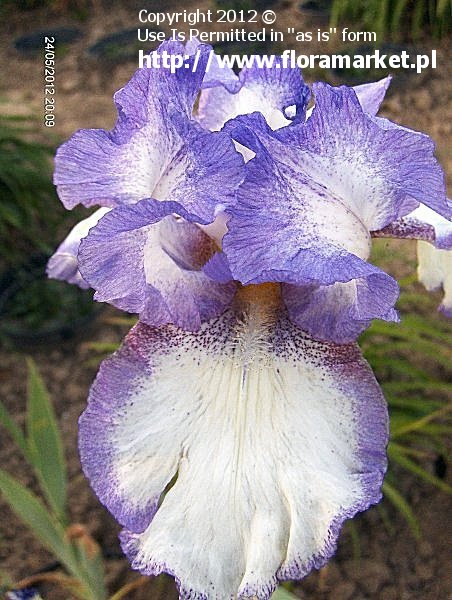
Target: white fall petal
{"x":435,"y":272}
{"x":264,"y":440}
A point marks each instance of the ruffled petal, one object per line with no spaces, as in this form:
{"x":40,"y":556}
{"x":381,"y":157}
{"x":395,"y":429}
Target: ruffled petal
{"x":435,"y":272}
{"x":313,"y":194}
{"x":342,"y":311}
{"x":371,"y":95}
{"x":286,"y":227}
{"x":63,"y":264}
{"x":155,"y":150}
{"x":338,"y":312}
{"x":217,"y":72}
{"x":264,"y":440}
{"x":377,"y":171}
{"x":152,"y":88}
{"x":142,"y":259}
{"x":279,"y":93}
{"x":422,"y":224}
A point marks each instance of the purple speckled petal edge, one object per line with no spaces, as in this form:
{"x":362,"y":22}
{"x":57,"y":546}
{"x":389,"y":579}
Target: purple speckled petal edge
{"x":352,"y":375}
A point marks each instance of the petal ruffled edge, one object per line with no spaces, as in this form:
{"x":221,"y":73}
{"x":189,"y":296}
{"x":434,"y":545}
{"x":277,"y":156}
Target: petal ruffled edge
{"x":278,"y":92}
{"x":122,"y":379}
{"x":96,"y":167}
{"x":63,"y":264}
{"x":127,"y":260}
{"x":422,"y":224}
{"x":371,"y":95}
{"x":342,"y":311}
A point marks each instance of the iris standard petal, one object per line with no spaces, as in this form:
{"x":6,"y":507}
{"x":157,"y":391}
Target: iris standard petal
{"x":63,"y":264}
{"x":155,"y":150}
{"x":278,"y":92}
{"x":218,"y":73}
{"x":371,"y":95}
{"x":286,"y":227}
{"x":144,"y":260}
{"x":374,"y":169}
{"x":264,"y":440}
{"x":312,"y":196}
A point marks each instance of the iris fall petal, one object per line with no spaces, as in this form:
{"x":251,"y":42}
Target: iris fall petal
{"x":264,"y":439}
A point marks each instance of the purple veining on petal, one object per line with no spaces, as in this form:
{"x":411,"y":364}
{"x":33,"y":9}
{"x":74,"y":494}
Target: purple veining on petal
{"x":120,"y":373}
{"x":153,"y":269}
{"x":278,"y":92}
{"x":371,"y":95}
{"x":372,"y":416}
{"x":146,"y":348}
{"x":342,"y":311}
{"x":409,"y":228}
{"x":128,"y":546}
{"x":217,"y":268}
{"x":158,"y":87}
{"x":317,"y":190}
{"x":278,"y":203}
{"x":422,"y":224}
{"x":402,"y":159}
{"x":217,"y":73}
{"x":155,"y":149}
{"x":63,"y":265}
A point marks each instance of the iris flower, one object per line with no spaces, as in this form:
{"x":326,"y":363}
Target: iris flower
{"x":238,"y":426}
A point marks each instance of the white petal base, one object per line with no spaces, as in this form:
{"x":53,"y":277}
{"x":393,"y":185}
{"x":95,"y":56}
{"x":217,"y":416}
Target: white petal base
{"x":275,"y":439}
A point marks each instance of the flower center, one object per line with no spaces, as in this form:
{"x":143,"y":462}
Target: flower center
{"x":262,"y":297}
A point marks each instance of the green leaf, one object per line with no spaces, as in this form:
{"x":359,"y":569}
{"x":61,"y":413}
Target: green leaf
{"x":396,"y":498}
{"x":436,"y":429}
{"x":52,"y":535}
{"x":397,"y":14}
{"x":45,"y":444}
{"x":417,"y":424}
{"x":14,"y":431}
{"x":282,"y":594}
{"x":89,"y":558}
{"x":417,"y":19}
{"x":34,"y":514}
{"x":395,"y":447}
{"x":414,"y":468}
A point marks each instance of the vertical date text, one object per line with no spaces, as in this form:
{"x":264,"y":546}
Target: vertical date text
{"x":49,"y":81}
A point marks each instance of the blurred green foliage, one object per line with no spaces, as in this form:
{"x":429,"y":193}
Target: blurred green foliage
{"x":413,"y":363}
{"x":42,"y":446}
{"x":30,"y":212}
{"x":32,"y":224}
{"x":396,"y":19}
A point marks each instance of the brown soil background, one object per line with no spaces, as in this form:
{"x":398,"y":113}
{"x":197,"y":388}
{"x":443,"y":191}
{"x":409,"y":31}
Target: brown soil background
{"x":393,"y":565}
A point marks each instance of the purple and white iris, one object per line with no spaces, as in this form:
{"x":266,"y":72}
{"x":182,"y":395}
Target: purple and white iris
{"x":238,"y":426}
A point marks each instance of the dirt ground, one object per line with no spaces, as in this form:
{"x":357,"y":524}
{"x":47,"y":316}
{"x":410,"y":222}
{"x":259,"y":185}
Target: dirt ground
{"x":393,"y":566}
